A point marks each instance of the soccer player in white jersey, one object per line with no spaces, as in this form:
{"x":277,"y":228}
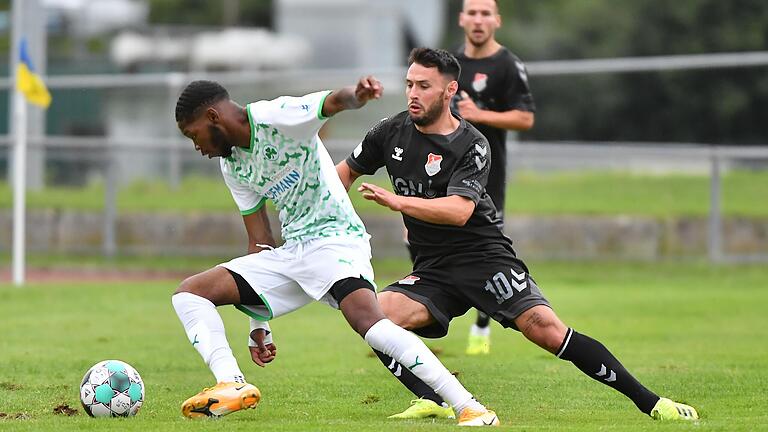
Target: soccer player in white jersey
{"x":271,"y":150}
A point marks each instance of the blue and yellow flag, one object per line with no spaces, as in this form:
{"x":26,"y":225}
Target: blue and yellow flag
{"x":28,"y":82}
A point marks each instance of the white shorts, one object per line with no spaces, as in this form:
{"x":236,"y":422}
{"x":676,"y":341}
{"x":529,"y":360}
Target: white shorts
{"x":298,"y":273}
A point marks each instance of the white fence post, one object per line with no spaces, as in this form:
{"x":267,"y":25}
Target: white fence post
{"x":715,"y":246}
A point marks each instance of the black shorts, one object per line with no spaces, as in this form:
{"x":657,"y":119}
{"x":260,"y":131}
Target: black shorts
{"x":493,"y":281}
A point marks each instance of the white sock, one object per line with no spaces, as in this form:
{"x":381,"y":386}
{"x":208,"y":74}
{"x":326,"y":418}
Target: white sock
{"x":480,"y":331}
{"x":205,"y":331}
{"x":411,"y":352}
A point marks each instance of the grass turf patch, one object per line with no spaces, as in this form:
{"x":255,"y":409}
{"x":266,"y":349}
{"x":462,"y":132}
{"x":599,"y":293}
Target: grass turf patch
{"x":689,"y":331}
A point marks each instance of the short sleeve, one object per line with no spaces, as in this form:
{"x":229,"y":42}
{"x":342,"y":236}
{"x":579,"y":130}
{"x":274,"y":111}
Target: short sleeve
{"x":246,"y":199}
{"x":518,"y":94}
{"x":367,"y":156}
{"x":471,"y":173}
{"x":300,"y":117}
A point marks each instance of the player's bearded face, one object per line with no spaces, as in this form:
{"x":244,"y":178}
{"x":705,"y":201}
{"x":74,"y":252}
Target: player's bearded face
{"x":430,"y":114}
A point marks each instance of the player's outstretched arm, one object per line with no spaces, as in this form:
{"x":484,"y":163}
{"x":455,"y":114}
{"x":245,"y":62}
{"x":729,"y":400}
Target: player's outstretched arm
{"x":352,"y":97}
{"x":450,"y":210}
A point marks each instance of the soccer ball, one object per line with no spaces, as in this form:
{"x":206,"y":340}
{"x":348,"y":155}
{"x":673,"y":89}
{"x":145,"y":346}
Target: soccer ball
{"x":111,"y":388}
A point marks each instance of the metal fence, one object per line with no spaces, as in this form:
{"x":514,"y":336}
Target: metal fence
{"x":526,"y":155}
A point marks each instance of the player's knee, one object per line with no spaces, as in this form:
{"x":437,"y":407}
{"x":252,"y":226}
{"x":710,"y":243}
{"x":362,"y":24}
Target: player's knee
{"x":403,"y":311}
{"x":551,"y":338}
{"x":541,"y":326}
{"x":389,"y":305}
{"x":201,"y":286}
{"x":188,"y":285}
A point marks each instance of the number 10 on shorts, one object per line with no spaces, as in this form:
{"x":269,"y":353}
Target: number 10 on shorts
{"x":503,"y":288}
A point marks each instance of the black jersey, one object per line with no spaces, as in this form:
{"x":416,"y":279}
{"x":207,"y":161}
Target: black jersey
{"x":496,"y":83}
{"x":434,"y":166}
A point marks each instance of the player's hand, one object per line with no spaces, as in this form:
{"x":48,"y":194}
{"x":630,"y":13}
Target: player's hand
{"x":467,"y":108}
{"x":368,"y":88}
{"x":380,"y":195}
{"x":262,"y":353}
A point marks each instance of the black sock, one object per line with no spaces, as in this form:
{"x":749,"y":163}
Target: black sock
{"x":482,"y":319}
{"x":594,"y":359}
{"x":409,"y":380}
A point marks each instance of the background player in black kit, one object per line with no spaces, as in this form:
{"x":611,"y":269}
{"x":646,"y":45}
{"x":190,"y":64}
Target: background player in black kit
{"x":495,"y":97}
{"x":439,"y":164}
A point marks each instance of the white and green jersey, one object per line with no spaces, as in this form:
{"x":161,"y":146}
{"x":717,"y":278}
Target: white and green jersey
{"x":287,"y":163}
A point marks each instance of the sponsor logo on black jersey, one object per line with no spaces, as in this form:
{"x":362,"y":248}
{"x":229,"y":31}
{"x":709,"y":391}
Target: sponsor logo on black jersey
{"x":410,"y":188}
{"x":397,"y":152}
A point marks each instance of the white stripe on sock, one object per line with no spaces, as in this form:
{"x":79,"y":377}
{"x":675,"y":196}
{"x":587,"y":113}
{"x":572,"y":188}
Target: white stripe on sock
{"x":565,"y":344}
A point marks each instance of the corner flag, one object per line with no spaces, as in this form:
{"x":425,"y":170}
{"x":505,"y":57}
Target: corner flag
{"x":28,"y":82}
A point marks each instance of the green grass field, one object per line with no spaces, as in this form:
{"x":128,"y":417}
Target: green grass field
{"x":689,"y":331}
{"x":528,"y":193}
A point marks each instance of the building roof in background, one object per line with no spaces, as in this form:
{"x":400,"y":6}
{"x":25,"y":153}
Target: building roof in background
{"x":225,"y":49}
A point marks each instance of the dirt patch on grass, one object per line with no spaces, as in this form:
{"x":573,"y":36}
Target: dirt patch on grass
{"x":17,"y":416}
{"x":10,"y":386}
{"x":65,"y":410}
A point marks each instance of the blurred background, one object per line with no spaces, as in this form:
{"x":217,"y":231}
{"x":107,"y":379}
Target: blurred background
{"x":649,"y":144}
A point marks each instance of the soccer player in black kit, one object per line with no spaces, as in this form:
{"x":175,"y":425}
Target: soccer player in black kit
{"x":438,"y":164}
{"x":494,"y":96}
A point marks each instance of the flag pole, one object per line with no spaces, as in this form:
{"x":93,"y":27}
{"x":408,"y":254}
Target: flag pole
{"x":19,"y":187}
{"x":19,"y":125}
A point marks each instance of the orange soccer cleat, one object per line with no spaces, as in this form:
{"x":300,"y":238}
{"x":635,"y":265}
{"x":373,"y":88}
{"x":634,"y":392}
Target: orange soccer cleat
{"x":222,"y":399}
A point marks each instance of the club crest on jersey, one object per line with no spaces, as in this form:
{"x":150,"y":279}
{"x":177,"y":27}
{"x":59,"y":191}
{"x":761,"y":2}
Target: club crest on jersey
{"x":480,"y":82}
{"x":408,"y":280}
{"x":397,"y":154}
{"x":433,"y":164}
{"x":270,"y":153}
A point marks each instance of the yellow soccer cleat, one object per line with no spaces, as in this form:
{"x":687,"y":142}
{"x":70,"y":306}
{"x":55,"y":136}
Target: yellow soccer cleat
{"x":425,"y":408}
{"x":222,"y":399}
{"x":470,"y":417}
{"x":478,"y":344}
{"x":666,"y":409}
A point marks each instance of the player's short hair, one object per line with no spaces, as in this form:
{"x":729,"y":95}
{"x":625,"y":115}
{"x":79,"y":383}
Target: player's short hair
{"x":441,"y":59}
{"x":495,"y":2}
{"x":196,"y":95}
